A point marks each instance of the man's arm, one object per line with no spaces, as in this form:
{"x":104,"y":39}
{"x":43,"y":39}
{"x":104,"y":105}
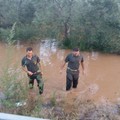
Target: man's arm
{"x":24,"y":69}
{"x":83,"y":68}
{"x":64,"y":64}
{"x":40,"y":68}
{"x":28,"y":72}
{"x":62,"y":67}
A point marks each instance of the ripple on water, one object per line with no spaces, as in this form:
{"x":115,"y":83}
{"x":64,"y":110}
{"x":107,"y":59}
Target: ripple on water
{"x":93,"y":88}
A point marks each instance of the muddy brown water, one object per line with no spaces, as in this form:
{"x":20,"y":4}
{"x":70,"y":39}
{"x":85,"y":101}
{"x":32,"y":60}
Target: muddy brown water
{"x":101,"y":81}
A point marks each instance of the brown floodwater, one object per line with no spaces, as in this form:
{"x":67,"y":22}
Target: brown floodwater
{"x":101,"y":81}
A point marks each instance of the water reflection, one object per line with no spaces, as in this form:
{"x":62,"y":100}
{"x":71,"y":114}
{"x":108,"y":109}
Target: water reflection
{"x":49,"y":48}
{"x":94,"y":55}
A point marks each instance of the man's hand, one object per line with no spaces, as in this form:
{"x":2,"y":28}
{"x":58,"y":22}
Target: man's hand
{"x":61,"y":68}
{"x":41,"y":73}
{"x":29,"y":73}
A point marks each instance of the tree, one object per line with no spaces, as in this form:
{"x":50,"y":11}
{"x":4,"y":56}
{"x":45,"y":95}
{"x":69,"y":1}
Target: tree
{"x":26,"y":12}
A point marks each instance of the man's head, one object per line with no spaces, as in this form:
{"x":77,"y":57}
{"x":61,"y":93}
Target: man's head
{"x":29,"y":51}
{"x":76,"y":51}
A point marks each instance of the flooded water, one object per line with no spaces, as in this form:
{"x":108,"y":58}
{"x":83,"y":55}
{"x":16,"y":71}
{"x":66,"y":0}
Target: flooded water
{"x":101,"y":81}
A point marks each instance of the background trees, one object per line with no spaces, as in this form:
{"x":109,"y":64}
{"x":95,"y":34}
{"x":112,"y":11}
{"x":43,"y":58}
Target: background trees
{"x":88,"y":24}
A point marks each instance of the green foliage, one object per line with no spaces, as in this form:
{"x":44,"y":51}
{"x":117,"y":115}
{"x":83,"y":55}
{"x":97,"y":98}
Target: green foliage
{"x":8,"y":13}
{"x":26,"y":32}
{"x":4,"y":33}
{"x":8,"y":34}
{"x":12,"y":83}
{"x":96,"y":26}
{"x":26,"y":12}
{"x":11,"y":80}
{"x":88,"y":24}
{"x":9,"y":39}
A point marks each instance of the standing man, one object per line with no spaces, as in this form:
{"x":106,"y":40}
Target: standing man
{"x":74,"y":60}
{"x":31,"y":65}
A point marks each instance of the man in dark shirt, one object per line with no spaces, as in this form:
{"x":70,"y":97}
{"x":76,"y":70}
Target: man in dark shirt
{"x":74,"y":60}
{"x":31,"y":65}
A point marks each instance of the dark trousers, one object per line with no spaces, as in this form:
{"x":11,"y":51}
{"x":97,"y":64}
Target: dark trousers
{"x":72,"y":80}
{"x":39,"y":80}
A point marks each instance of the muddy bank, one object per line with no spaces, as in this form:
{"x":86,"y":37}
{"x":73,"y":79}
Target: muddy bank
{"x":64,"y":107}
{"x":71,"y":108}
{"x":67,"y":108}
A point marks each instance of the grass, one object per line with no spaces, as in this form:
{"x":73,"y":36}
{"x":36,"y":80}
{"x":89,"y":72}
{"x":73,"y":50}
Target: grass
{"x":53,"y":99}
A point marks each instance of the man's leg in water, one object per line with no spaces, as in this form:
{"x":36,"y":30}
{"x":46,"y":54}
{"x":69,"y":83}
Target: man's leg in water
{"x":31,"y":81}
{"x":40,"y":83}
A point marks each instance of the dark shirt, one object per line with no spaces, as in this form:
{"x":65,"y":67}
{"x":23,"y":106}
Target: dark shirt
{"x":32,"y":65}
{"x":74,"y":61}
